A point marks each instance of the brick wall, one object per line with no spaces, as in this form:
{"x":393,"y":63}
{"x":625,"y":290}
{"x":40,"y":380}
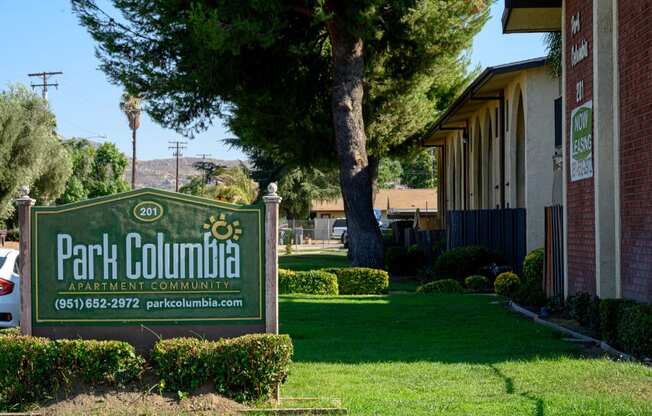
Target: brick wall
{"x":580,"y":194}
{"x":635,"y":67}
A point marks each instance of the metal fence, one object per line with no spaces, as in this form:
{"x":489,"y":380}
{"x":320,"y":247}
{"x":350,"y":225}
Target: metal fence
{"x":500,"y":230}
{"x":315,"y":232}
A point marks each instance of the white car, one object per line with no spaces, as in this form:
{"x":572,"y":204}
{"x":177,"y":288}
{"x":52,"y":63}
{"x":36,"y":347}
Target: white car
{"x":9,"y":288}
{"x":339,"y":226}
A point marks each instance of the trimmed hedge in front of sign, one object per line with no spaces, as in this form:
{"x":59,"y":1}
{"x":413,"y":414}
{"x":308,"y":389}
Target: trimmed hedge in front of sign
{"x":361,"y":280}
{"x":334,"y":281}
{"x":313,"y":282}
{"x":34,"y":369}
{"x":245,"y":368}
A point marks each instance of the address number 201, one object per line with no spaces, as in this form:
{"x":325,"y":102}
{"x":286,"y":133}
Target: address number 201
{"x":148,"y":211}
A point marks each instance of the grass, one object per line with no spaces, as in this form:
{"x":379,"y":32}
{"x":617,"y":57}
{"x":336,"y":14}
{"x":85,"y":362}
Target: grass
{"x":448,"y":355}
{"x":312,"y":260}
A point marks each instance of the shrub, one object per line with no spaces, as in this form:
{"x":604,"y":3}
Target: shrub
{"x":610,"y":317}
{"x":394,"y":258}
{"x":404,"y":262}
{"x":531,"y":290}
{"x":361,"y":280}
{"x":461,"y":262}
{"x":476,"y":283}
{"x":246,"y":368}
{"x":507,"y":284}
{"x":33,"y":368}
{"x":585,"y":309}
{"x":635,"y":328}
{"x":314,"y":282}
{"x":533,"y":266}
{"x":13,"y":235}
{"x":441,"y":286}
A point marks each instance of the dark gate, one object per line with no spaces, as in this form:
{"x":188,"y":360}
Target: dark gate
{"x":553,"y":268}
{"x":500,"y":230}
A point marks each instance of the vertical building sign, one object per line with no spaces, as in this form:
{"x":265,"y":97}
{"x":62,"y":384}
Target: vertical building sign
{"x":581,"y":153}
{"x":581,"y":120}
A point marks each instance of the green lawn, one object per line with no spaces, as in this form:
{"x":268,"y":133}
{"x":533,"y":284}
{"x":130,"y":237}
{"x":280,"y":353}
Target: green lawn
{"x":448,"y":355}
{"x":311,"y":261}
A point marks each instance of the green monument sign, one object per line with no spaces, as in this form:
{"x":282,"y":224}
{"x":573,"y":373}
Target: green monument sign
{"x":147,"y":258}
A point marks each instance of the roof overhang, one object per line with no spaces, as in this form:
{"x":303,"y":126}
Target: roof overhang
{"x":528,"y":16}
{"x":489,"y":85}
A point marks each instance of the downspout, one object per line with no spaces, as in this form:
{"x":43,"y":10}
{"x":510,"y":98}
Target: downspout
{"x":502,"y":149}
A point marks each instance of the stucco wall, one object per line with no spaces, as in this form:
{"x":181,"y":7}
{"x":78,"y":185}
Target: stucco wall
{"x":539,"y":89}
{"x":542,"y":90}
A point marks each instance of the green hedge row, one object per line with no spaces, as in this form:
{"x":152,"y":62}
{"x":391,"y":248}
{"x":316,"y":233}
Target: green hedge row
{"x":622,"y":323}
{"x":627,"y":325}
{"x":334,"y":281}
{"x":313,"y":282}
{"x":244,"y":368}
{"x":33,"y":368}
{"x":361,"y":280}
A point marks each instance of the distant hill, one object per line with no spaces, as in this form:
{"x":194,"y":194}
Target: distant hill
{"x":159,"y":173}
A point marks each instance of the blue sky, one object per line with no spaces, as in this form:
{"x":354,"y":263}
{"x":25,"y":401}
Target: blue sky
{"x":40,"y":35}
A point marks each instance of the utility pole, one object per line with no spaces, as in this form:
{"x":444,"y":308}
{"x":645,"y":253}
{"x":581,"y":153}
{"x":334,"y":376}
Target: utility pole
{"x":177,"y":147}
{"x":206,"y":173}
{"x":44,"y":86}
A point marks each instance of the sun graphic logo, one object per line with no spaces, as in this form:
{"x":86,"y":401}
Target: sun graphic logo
{"x":222,"y":230}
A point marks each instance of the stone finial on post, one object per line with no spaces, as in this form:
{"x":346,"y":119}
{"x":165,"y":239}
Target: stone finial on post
{"x":25,"y":204}
{"x":272,"y":202}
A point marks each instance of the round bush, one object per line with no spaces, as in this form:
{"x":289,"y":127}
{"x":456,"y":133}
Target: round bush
{"x":476,"y":283}
{"x":461,"y":262}
{"x":533,"y":266}
{"x":507,"y":284}
{"x":313,"y":282}
{"x":402,"y":262}
{"x":531,"y":291}
{"x":441,"y":286}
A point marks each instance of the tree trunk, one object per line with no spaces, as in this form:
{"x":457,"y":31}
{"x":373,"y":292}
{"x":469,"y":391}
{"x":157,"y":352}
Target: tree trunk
{"x":133,"y":159}
{"x":365,"y":240}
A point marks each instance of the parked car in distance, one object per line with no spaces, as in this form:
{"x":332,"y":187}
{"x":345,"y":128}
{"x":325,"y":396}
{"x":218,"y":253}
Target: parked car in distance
{"x":345,"y":238}
{"x":339,"y":226}
{"x":9,"y":288}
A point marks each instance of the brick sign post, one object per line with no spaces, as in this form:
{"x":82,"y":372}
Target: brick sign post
{"x":148,"y":264}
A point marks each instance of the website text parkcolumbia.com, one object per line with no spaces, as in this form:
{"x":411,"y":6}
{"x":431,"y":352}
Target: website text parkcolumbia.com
{"x":185,"y":303}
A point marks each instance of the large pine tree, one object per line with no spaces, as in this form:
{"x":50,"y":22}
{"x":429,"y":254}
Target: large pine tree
{"x":306,"y":81}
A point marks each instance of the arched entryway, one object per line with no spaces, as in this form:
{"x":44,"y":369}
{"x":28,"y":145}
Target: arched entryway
{"x":520,"y":153}
{"x":489,"y":162}
{"x":478,"y":156}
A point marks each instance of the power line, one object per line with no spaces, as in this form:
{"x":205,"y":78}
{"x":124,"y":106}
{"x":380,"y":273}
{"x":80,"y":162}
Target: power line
{"x":203,"y":155}
{"x":44,"y":86}
{"x":177,"y":147}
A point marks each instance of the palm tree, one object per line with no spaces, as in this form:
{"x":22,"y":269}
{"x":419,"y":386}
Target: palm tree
{"x":130,"y":105}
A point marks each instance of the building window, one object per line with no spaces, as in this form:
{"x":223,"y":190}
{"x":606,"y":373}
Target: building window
{"x":558,"y":116}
